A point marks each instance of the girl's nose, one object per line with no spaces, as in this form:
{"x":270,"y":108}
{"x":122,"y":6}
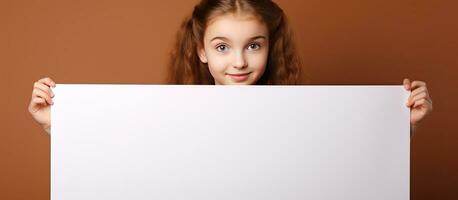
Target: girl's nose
{"x":240,"y":61}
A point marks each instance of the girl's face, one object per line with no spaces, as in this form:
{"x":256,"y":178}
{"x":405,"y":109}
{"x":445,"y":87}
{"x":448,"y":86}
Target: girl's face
{"x":236,"y":48}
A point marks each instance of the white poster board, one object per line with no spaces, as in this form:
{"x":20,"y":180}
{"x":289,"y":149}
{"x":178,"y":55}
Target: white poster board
{"x":147,"y":142}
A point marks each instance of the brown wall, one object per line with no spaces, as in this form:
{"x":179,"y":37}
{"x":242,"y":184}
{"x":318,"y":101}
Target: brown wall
{"x":342,"y":42}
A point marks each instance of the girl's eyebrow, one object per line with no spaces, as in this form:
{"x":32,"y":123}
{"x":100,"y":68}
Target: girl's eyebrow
{"x":226,"y":39}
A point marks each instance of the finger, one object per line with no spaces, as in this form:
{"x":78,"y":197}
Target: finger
{"x":417,"y":84}
{"x":417,"y":98}
{"x":418,"y":91}
{"x":419,"y":103}
{"x":48,"y":81}
{"x":38,"y":101}
{"x":44,"y":87}
{"x":406,"y":84}
{"x":42,"y":94}
{"x":428,"y":98}
{"x":422,"y":89}
{"x":35,"y":104}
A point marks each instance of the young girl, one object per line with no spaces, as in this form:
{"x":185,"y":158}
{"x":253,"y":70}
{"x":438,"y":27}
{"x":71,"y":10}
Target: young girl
{"x":241,"y":42}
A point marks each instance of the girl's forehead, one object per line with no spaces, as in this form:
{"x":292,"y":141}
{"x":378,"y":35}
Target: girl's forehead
{"x":236,"y":26}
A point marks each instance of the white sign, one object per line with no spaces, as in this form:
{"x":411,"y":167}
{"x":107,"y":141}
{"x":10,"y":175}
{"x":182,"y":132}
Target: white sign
{"x":144,"y":142}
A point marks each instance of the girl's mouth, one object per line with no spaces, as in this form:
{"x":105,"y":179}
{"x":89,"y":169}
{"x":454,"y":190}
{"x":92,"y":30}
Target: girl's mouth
{"x":239,"y":77}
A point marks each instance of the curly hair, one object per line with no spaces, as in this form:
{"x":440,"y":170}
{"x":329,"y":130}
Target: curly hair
{"x":283,"y":67}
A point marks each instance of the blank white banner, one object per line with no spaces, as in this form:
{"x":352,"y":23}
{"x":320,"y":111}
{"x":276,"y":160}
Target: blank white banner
{"x":144,"y":142}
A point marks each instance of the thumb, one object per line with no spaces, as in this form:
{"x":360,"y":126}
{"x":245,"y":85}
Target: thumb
{"x":406,"y":83}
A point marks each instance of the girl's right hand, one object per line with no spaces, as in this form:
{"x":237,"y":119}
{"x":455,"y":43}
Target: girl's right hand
{"x":41,"y":101}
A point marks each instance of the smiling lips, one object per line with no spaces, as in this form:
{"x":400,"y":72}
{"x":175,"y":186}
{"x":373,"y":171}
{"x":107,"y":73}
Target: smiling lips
{"x":239,"y":77}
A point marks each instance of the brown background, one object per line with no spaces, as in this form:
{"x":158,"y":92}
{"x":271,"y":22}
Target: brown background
{"x":342,"y":42}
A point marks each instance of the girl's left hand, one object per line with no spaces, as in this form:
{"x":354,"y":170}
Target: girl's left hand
{"x":420,"y":103}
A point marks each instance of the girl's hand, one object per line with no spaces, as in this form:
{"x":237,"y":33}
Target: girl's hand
{"x":420,"y":103}
{"x":41,"y":101}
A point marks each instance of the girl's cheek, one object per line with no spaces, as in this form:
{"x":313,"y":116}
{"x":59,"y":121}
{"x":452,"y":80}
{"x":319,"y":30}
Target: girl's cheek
{"x":258,"y":61}
{"x":218,"y":63}
{"x":217,"y":72}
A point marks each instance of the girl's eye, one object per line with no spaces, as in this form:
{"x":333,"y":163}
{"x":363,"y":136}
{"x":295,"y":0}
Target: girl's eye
{"x":222,"y":48}
{"x":254,"y":46}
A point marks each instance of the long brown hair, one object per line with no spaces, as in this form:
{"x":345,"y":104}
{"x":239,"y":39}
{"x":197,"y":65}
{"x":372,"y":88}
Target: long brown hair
{"x":284,"y":66}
